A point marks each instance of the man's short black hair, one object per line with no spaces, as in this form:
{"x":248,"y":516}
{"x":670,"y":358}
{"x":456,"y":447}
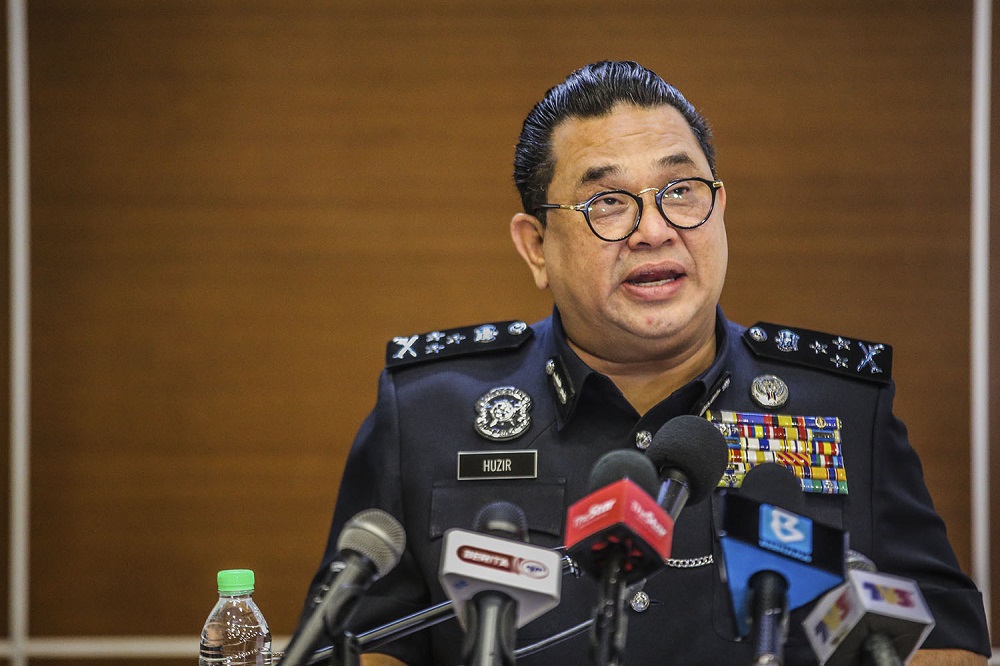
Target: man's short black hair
{"x":589,"y":92}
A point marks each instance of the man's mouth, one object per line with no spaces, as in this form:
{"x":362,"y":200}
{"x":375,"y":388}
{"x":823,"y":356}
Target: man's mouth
{"x":653,"y":278}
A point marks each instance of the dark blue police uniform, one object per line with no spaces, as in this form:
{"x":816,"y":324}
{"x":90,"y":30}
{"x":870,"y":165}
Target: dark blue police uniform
{"x":506,"y":391}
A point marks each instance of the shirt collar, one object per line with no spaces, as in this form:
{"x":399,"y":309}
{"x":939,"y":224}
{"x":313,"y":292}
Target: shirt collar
{"x":568,"y":374}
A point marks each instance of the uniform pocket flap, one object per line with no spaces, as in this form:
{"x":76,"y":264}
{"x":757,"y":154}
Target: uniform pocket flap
{"x":456,"y":503}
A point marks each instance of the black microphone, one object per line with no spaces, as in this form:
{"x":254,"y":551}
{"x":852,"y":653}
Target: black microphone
{"x":690,"y":455}
{"x":768,"y":601}
{"x":873,"y":618}
{"x":502,"y":519}
{"x":491,"y":618}
{"x":775,"y":558}
{"x":368,"y":547}
{"x":497,"y":582}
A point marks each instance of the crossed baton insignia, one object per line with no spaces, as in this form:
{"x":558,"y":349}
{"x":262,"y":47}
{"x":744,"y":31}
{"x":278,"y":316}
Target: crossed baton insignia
{"x":869,"y":358}
{"x":405,"y":346}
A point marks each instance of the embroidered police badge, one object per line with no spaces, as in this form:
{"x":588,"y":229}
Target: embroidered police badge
{"x":502,"y":413}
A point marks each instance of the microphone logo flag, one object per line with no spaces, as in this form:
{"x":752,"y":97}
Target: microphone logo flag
{"x":473,"y":562}
{"x":620,"y":503}
{"x":759,"y":536}
{"x":620,"y":517}
{"x":893,"y":604}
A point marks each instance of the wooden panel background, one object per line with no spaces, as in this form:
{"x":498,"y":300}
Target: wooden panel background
{"x":236,"y":203}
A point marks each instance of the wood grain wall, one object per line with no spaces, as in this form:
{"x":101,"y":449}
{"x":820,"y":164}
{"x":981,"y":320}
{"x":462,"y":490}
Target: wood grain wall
{"x":234,"y":205}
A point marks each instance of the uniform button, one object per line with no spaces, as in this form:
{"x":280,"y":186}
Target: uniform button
{"x":640,"y":602}
{"x":643,"y":439}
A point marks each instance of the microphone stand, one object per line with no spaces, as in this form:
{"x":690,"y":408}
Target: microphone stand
{"x":880,"y":651}
{"x":770,"y":618}
{"x":566,"y":634}
{"x":608,"y":635}
{"x":492,"y":621}
{"x":422,"y":620}
{"x":346,"y":653}
{"x":405,"y":626}
{"x":554,"y":639}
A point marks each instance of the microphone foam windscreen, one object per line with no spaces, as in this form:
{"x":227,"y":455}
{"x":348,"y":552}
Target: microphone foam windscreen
{"x":694,"y":446}
{"x":502,"y":519}
{"x":376,"y":535}
{"x":774,"y":484}
{"x":855,"y":561}
{"x":624,"y":463}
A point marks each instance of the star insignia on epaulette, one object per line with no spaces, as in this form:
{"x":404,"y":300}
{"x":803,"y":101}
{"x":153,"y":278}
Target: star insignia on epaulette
{"x":850,"y":357}
{"x":404,"y":350}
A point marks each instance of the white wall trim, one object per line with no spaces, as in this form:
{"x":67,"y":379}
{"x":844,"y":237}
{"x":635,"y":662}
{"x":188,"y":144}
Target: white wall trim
{"x":113,"y":647}
{"x":979,"y":282}
{"x":20,"y":326}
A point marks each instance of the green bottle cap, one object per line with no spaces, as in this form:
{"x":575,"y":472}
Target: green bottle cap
{"x":236,"y":580}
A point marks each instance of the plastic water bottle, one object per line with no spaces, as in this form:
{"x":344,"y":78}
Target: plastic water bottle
{"x":235,"y":632}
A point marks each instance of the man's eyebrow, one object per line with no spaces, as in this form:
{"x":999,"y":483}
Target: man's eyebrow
{"x":597,"y":173}
{"x":678,"y":159}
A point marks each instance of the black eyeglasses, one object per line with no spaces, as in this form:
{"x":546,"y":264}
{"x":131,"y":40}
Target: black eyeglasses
{"x":685,"y":203}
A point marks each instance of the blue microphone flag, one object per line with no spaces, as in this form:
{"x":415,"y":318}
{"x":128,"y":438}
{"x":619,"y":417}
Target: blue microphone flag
{"x":758,"y":536}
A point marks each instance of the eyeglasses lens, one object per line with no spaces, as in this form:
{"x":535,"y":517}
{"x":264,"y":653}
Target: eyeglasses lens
{"x":614,"y":215}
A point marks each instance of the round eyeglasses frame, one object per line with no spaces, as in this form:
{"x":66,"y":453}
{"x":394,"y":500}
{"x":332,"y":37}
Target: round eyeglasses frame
{"x":584,"y":207}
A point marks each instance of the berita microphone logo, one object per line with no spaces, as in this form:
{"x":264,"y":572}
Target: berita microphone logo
{"x":502,"y":562}
{"x":485,"y":558}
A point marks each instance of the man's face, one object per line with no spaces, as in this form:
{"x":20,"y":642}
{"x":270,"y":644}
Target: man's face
{"x":654,"y":294}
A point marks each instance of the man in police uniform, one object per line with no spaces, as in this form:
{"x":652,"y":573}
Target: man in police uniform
{"x":624,"y":223}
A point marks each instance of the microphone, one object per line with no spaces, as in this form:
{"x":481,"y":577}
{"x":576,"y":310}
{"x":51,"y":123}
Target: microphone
{"x":497,"y":582}
{"x":619,"y":518}
{"x":368,"y":547}
{"x":618,"y":534}
{"x":775,"y":558}
{"x":876,"y":616}
{"x":690,"y":455}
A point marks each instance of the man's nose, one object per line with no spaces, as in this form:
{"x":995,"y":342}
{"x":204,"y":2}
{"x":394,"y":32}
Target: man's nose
{"x":653,"y":227}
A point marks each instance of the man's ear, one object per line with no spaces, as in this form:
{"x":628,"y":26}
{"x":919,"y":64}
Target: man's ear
{"x":528,"y":234}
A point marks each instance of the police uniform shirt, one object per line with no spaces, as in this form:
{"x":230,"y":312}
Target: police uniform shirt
{"x":405,"y":461}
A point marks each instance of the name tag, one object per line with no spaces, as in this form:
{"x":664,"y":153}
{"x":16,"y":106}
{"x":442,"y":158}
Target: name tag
{"x":476,"y":465}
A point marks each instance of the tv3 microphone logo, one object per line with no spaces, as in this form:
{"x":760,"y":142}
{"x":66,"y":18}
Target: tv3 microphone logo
{"x":842,"y":608}
{"x":786,"y":533}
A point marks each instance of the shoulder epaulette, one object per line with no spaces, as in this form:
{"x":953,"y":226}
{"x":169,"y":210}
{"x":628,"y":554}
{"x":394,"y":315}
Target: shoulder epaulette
{"x":410,"y":349}
{"x":850,"y":357}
